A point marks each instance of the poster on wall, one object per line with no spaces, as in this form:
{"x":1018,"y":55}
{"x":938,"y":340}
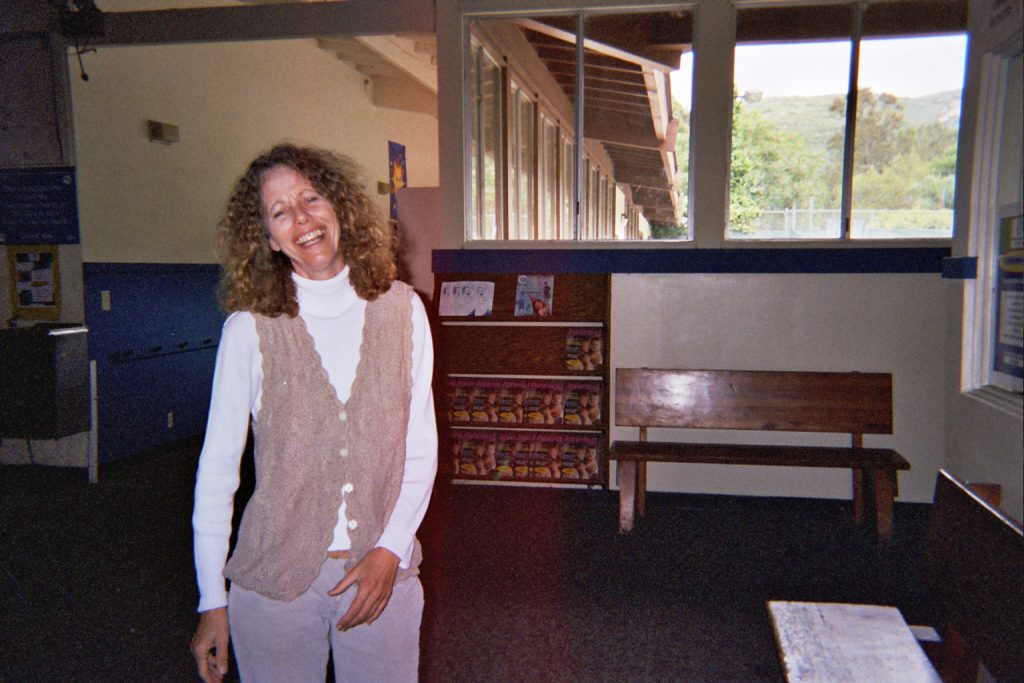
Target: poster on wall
{"x":397,"y":178}
{"x":34,"y":281}
{"x":1009,"y":333}
{"x":40,"y":206}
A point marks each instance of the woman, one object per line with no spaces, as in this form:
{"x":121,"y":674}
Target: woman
{"x":332,"y":360}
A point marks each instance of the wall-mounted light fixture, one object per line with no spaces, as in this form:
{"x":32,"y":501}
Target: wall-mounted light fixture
{"x":164,"y":133}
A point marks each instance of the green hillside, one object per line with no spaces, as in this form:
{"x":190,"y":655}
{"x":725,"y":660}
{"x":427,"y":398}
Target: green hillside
{"x":810,"y":117}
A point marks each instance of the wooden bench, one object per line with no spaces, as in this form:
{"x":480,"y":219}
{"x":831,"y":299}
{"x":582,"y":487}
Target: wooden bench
{"x":977,"y":565}
{"x":828,"y":402}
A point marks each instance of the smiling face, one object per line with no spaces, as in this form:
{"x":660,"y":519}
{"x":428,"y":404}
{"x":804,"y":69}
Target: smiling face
{"x":301,"y":223}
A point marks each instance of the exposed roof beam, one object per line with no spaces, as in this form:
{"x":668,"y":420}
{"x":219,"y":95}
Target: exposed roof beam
{"x":402,"y":55}
{"x":658,"y":95}
{"x":623,"y":129}
{"x":637,"y":177}
{"x":266,"y":22}
{"x":594,"y":45}
{"x":647,"y":196}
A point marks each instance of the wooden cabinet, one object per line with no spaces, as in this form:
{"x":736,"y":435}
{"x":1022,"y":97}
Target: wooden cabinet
{"x":524,"y":398}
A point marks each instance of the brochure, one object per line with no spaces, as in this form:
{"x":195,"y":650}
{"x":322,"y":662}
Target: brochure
{"x":534,"y":295}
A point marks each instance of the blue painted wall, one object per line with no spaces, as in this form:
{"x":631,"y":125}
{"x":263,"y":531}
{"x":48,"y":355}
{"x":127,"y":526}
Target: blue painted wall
{"x":154,"y":351}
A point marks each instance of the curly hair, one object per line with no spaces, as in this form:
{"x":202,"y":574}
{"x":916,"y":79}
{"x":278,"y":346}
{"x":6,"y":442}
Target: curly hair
{"x":258,"y":279}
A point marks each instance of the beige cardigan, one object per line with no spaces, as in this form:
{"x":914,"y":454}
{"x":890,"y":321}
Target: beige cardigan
{"x":309,"y":447}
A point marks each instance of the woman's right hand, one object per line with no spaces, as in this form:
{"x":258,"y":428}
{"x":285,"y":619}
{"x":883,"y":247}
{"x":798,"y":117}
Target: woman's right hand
{"x":210,"y":645}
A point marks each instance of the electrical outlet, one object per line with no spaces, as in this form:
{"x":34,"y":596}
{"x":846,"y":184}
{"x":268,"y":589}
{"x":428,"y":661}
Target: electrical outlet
{"x":170,"y":420}
{"x":105,"y":300}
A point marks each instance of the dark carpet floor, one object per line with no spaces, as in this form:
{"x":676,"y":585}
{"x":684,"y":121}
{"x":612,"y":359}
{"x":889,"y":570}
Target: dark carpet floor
{"x":522,"y":584}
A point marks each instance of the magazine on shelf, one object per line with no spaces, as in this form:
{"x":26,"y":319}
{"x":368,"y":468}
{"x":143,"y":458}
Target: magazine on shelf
{"x":581,"y":457}
{"x":506,"y":452}
{"x":543,"y":402}
{"x":547,"y":460}
{"x":511,"y":401}
{"x":459,"y":395}
{"x":484,"y":400}
{"x":524,"y":454}
{"x":534,"y":295}
{"x":582,"y":403}
{"x":584,"y":348}
{"x":473,"y":453}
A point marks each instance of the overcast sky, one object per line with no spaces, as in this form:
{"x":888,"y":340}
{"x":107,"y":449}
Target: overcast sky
{"x":906,"y":67}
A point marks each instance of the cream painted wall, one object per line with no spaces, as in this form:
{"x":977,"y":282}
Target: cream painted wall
{"x":146,"y":202}
{"x":868,"y":323}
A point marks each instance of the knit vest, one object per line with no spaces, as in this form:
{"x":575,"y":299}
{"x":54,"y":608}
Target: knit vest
{"x":309,"y":445}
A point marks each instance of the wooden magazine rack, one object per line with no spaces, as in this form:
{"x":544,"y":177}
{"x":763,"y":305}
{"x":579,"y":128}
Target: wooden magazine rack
{"x":524,"y":398}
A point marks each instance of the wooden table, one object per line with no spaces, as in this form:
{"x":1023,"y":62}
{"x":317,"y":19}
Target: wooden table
{"x":822,"y":642}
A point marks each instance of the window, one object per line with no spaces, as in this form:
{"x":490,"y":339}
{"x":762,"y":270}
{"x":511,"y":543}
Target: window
{"x":626,"y":150}
{"x":804,"y":165}
{"x":549,"y":179}
{"x":565,"y":186}
{"x":993,"y":337}
{"x":487,"y":165}
{"x":522,"y":150}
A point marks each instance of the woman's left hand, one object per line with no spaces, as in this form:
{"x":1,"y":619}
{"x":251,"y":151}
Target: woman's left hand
{"x":374,"y":577}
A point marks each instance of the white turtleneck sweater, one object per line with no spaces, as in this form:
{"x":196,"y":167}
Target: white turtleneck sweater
{"x":334,"y":316}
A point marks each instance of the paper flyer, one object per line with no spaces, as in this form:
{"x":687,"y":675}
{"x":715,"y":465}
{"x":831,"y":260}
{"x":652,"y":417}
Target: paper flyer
{"x":466,"y":299}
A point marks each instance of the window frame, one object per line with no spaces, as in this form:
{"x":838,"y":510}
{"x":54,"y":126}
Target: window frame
{"x":712,"y":43}
{"x":818,"y":22}
{"x":594,"y":226}
{"x":978,"y":378}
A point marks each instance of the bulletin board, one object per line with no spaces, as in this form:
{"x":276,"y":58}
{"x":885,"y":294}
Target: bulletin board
{"x":34,"y":277}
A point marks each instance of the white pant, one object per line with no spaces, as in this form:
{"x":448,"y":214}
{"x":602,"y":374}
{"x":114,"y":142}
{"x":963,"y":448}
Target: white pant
{"x":287,"y":642}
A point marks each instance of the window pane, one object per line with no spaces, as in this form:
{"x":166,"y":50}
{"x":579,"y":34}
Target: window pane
{"x":521,"y":165}
{"x":631,"y":124}
{"x":548,"y":228}
{"x":473,"y":227}
{"x":487,"y":166}
{"x":566,"y":188}
{"x":789,"y":112}
{"x":908,"y":113}
{"x":636,"y":95}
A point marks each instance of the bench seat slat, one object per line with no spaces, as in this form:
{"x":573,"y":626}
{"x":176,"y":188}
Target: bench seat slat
{"x":851,"y":402}
{"x":747,"y":454}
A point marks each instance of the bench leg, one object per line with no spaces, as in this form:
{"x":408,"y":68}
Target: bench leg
{"x":883,"y":486}
{"x":627,"y":494}
{"x":858,"y":496}
{"x":958,"y":663}
{"x":641,"y":487}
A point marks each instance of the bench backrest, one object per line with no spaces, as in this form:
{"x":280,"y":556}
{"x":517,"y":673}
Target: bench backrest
{"x":977,"y":556}
{"x":850,"y":402}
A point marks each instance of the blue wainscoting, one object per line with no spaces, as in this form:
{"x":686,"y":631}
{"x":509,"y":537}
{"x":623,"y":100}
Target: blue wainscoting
{"x":154,"y":351}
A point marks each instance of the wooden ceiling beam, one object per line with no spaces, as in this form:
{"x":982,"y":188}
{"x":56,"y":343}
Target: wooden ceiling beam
{"x":627,"y":130}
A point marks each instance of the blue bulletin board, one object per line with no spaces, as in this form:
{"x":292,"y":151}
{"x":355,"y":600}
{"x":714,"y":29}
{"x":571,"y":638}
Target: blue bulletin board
{"x":38,"y":206}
